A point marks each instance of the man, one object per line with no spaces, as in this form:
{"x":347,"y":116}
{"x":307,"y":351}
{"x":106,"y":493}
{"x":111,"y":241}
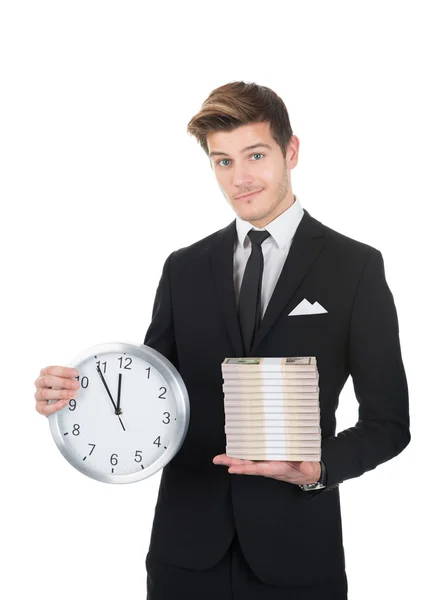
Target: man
{"x":232,"y":529}
{"x":257,"y":534}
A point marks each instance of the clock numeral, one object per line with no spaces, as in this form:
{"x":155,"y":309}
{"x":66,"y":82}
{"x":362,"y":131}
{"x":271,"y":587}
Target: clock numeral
{"x":72,"y":404}
{"x":168,"y":418}
{"x":75,"y":429}
{"x":113,"y":459}
{"x":127,"y":358}
{"x":149,"y":371}
{"x":99,"y":365}
{"x":92,"y":449}
{"x":138,"y":455}
{"x":161,"y":395}
{"x":84,"y":381}
{"x":157,"y":441}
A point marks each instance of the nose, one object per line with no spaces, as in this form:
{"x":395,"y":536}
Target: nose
{"x":242,"y":178}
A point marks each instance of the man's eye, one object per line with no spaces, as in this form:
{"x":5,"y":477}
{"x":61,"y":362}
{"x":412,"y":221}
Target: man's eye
{"x":227,"y":159}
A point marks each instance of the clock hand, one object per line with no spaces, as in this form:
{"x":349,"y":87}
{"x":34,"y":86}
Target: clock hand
{"x":111,"y":398}
{"x":118,"y":409}
{"x":106,"y":387}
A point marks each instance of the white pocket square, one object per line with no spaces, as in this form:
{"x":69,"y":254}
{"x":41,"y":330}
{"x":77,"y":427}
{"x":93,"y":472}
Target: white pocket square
{"x":306,"y":308}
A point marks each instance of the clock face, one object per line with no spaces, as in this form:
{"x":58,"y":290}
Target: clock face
{"x":129,"y":416}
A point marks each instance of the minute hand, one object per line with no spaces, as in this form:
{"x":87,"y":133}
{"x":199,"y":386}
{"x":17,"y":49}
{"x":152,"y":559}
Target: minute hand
{"x":110,"y":396}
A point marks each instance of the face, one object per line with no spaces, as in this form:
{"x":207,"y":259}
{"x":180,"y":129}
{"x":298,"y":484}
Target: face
{"x":261,"y":170}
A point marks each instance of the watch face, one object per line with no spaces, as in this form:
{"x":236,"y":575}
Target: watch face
{"x":129,"y":417}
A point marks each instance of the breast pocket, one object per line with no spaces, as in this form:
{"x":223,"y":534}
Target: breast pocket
{"x":311,"y":321}
{"x":311,"y":332}
{"x":316,"y":333}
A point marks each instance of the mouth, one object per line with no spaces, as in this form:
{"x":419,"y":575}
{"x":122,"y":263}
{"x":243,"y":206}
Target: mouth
{"x":248,"y":196}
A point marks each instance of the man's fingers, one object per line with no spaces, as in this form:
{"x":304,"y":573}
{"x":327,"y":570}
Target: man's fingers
{"x":281,"y":470}
{"x":59,"y":371}
{"x":223,"y":459}
{"x":49,"y":409}
{"x":55,"y":383}
{"x":45,"y":394}
{"x":239,"y":461}
{"x":269,"y":468}
{"x":50,"y":381}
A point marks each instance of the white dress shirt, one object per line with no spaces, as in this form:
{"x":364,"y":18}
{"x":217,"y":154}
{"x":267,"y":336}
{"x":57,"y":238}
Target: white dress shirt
{"x":274,"y":249}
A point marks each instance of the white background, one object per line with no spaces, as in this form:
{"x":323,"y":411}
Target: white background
{"x":100,"y":182}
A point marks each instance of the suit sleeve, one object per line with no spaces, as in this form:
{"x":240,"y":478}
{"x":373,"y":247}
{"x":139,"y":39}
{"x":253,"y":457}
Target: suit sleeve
{"x":160,"y":333}
{"x":379,"y":381}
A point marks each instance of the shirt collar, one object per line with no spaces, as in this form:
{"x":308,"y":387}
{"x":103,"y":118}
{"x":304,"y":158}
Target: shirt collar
{"x":281,"y":229}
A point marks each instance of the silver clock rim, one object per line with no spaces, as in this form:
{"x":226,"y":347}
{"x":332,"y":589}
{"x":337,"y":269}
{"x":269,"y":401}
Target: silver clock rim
{"x":172,"y":376}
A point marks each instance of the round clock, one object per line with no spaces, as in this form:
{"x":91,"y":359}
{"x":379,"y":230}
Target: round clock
{"x":129,"y":417}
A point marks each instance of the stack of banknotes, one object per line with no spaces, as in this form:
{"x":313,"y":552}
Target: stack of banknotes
{"x":272,"y":408}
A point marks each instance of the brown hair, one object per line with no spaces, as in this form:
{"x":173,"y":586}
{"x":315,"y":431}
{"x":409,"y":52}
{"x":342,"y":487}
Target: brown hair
{"x":239,"y":103}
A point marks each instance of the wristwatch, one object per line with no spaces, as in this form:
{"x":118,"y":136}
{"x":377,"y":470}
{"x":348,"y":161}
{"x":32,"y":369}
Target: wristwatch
{"x":321,"y":483}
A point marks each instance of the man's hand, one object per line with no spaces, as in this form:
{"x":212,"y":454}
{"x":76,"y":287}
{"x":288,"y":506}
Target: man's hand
{"x":297,"y":472}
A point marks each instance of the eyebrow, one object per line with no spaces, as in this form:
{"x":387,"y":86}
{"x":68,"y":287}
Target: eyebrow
{"x":260,"y":145}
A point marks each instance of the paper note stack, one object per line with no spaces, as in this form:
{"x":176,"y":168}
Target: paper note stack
{"x":272,"y":408}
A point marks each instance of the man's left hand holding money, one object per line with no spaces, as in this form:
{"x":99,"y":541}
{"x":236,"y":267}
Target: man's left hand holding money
{"x":296,"y":472}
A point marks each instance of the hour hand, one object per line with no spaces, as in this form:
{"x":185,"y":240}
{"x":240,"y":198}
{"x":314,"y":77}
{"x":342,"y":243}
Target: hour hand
{"x":118,"y":409}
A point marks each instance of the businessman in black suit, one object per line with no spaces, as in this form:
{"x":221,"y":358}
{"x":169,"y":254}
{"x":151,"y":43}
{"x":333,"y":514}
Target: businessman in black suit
{"x":232,"y":529}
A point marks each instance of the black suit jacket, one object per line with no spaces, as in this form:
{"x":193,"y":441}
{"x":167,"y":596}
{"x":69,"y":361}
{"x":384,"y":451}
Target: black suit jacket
{"x":288,"y":536}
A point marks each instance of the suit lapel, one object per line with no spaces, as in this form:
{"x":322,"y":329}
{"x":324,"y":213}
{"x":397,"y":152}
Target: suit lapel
{"x":306,"y":245}
{"x":221,"y":257}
